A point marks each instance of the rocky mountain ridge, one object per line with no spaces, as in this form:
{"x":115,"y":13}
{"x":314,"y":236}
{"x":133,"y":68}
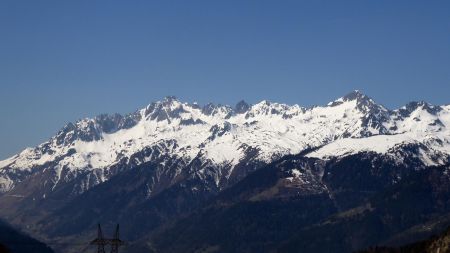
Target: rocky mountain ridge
{"x":224,"y":136}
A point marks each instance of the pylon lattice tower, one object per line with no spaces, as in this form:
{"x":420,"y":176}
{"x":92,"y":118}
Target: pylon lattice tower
{"x":100,"y":241}
{"x":116,"y":242}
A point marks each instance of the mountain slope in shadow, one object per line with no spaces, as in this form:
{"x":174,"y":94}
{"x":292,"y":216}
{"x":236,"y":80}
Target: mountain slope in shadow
{"x":13,"y":241}
{"x":269,"y":211}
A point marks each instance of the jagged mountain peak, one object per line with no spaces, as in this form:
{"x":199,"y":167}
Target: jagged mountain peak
{"x":166,"y":109}
{"x":170,"y":98}
{"x":91,"y":129}
{"x":355,"y":95}
{"x":362,"y":101}
{"x":419,"y":105}
{"x":267,"y":108}
{"x":219,"y":110}
{"x":241,"y":107}
{"x":374,"y":117}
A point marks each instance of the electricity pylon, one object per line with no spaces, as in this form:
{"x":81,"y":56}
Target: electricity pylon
{"x":116,"y":242}
{"x":100,"y":241}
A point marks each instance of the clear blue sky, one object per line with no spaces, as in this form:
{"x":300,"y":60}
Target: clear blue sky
{"x":65,"y":60}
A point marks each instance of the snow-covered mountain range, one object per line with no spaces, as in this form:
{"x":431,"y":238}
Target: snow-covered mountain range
{"x":170,"y":159}
{"x":226,"y":138}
